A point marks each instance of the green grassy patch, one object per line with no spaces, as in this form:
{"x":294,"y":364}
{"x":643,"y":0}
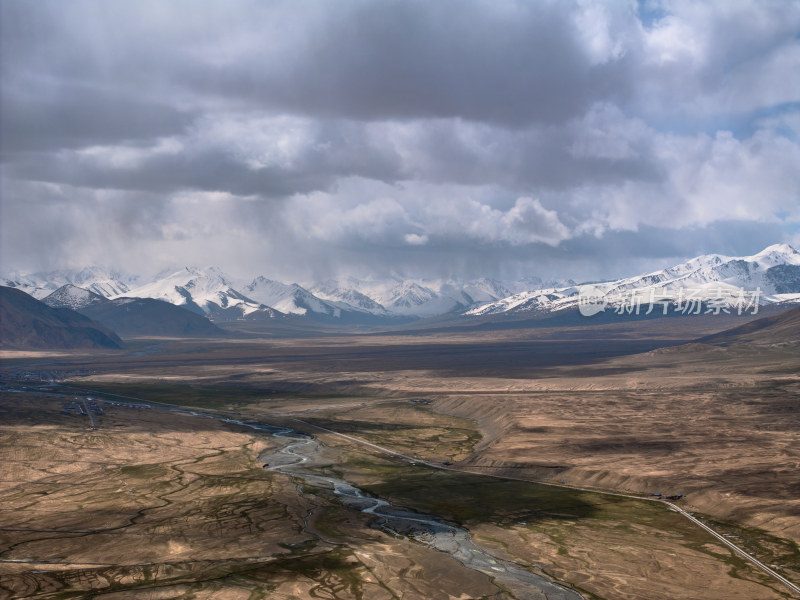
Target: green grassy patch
{"x":218,"y":397}
{"x":465,"y":498}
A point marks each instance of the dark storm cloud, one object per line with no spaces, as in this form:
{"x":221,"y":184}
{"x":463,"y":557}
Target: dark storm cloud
{"x":204,"y":170}
{"x":70,"y":68}
{"x":321,"y":155}
{"x":67,"y":83}
{"x":507,"y":63}
{"x":475,"y":137}
{"x":49,"y":117}
{"x":440,"y":151}
{"x":103,"y":74}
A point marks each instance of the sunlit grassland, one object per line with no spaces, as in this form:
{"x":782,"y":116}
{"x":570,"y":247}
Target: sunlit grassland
{"x":555,"y":526}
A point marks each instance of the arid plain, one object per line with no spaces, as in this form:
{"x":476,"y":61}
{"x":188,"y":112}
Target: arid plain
{"x":155,"y":503}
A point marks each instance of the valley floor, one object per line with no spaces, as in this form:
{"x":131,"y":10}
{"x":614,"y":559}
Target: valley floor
{"x":158,"y":504}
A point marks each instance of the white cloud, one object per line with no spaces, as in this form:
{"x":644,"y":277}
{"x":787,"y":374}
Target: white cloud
{"x":605,"y":29}
{"x":707,"y":179}
{"x":528,"y":222}
{"x":409,"y":217}
{"x":719,"y":58}
{"x":673,"y":40}
{"x":256,"y":140}
{"x":415,"y":239}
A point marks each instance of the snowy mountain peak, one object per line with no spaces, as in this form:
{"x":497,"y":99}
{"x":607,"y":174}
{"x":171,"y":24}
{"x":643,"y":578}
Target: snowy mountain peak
{"x":775,"y":255}
{"x":72,"y":297}
{"x":333,"y":292}
{"x":410,"y":293}
{"x":783,"y":248}
{"x":213,"y":275}
{"x":207,"y":291}
{"x":289,"y":298}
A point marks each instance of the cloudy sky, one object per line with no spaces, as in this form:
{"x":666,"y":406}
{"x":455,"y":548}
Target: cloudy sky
{"x":307,"y":139}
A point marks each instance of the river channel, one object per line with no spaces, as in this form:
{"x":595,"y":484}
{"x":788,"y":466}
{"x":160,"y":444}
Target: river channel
{"x":299,"y":455}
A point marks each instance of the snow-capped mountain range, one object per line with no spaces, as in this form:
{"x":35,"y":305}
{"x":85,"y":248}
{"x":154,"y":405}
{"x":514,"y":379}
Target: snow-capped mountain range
{"x":104,"y":282}
{"x":205,"y":291}
{"x":773,"y":273}
{"x":294,"y":299}
{"x":210,"y":292}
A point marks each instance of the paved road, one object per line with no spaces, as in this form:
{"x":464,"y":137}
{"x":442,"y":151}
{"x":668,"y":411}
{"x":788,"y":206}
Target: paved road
{"x":725,"y":541}
{"x":674,"y":507}
{"x":89,"y":413}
